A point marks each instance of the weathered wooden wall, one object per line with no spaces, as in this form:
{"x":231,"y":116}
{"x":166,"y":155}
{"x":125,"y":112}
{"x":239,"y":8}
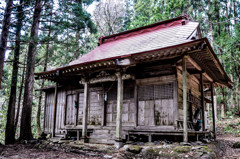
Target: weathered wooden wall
{"x":70,"y":116}
{"x":128,"y":113}
{"x":193,"y":86}
{"x":66,"y":100}
{"x":48,"y":117}
{"x":157,"y":101}
{"x":96,"y":103}
{"x":48,"y":111}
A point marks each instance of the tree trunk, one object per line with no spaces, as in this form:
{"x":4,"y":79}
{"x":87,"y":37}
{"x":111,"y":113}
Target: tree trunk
{"x":234,"y":12}
{"x":42,"y":85}
{"x":77,"y":42}
{"x":223,"y":103}
{"x":4,"y":35}
{"x":210,"y":22}
{"x":217,"y":15}
{"x":25,"y":128}
{"x":227,"y":18}
{"x":222,"y":111}
{"x":20,"y":96}
{"x":10,"y":131}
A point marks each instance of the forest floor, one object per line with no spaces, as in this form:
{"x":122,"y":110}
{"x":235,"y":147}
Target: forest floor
{"x":227,"y":135}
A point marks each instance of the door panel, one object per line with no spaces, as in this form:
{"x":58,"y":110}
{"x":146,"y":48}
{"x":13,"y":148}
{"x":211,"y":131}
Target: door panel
{"x":95,"y":101}
{"x":70,"y":109}
{"x":155,"y":105}
{"x":127,"y":113}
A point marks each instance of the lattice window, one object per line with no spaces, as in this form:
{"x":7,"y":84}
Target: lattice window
{"x":152,"y":92}
{"x":164,"y":91}
{"x":128,"y":92}
{"x":146,"y":92}
{"x":112,"y":94}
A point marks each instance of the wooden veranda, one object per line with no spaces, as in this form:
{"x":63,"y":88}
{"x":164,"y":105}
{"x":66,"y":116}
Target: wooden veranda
{"x":147,"y":81}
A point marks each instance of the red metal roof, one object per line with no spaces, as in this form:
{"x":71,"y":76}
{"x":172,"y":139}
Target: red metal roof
{"x":141,"y":40}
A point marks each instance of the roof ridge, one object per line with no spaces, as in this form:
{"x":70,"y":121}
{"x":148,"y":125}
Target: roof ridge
{"x":179,"y":20}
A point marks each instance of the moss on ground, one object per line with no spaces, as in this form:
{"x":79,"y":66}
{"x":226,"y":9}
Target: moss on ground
{"x":182,"y":149}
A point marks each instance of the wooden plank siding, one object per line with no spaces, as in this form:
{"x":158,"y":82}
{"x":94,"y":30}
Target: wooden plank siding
{"x":194,"y":87}
{"x":128,"y":114}
{"x":160,"y":111}
{"x":60,"y":111}
{"x":66,"y":100}
{"x":156,"y":101}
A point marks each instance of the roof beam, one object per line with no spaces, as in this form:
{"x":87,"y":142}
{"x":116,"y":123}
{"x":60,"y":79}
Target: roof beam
{"x":189,"y":59}
{"x":199,"y":68}
{"x":207,"y":77}
{"x":215,"y":61}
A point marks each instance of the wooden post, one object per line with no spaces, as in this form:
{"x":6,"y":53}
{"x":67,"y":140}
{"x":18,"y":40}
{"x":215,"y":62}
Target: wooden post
{"x":136,"y":103}
{"x":215,"y":106}
{"x":65,"y":110}
{"x":184,"y":76}
{"x":55,"y":109}
{"x":213,"y":112}
{"x":76,"y":108}
{"x":45,"y":112}
{"x":103,"y":123}
{"x":118,"y":142}
{"x":85,"y":111}
{"x":202,"y":102}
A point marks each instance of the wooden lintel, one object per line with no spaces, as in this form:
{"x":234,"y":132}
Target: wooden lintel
{"x":107,"y":79}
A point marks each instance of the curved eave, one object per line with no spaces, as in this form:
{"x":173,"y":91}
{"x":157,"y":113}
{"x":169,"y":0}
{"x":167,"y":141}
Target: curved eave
{"x":111,"y":61}
{"x":207,"y":59}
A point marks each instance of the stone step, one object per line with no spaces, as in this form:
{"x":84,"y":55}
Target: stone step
{"x":103,"y":136}
{"x":100,"y":131}
{"x":101,"y":141}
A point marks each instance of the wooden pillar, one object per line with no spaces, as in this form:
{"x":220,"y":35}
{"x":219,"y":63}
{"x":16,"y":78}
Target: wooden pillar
{"x":213,"y":112}
{"x":215,"y":106}
{"x":103,"y":123}
{"x":55,"y":110}
{"x":85,"y":111}
{"x":118,"y":143}
{"x":76,"y":105}
{"x":184,"y":76}
{"x":136,"y":104}
{"x":202,"y":102}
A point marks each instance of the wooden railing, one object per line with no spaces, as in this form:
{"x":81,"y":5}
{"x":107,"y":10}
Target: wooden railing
{"x":180,"y":125}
